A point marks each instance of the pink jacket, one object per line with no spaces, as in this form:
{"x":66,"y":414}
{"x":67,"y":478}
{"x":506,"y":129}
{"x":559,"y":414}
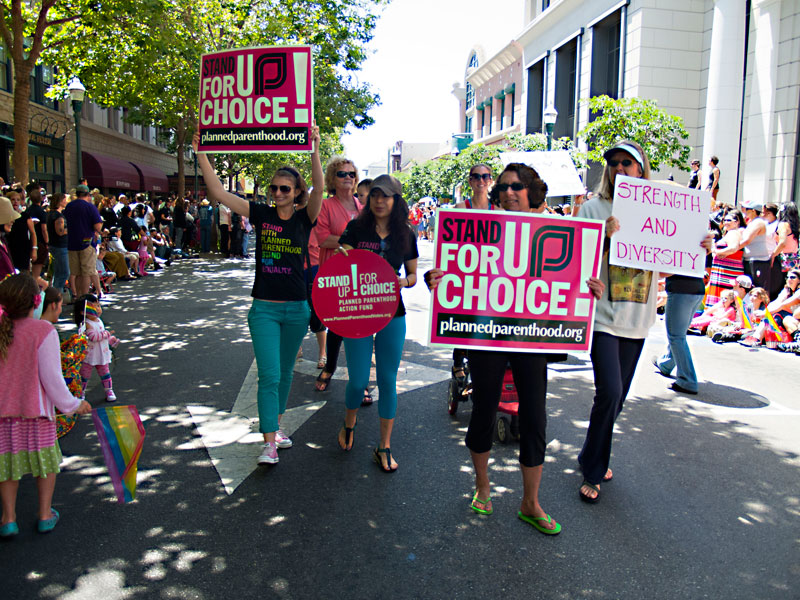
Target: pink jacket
{"x":32,"y":383}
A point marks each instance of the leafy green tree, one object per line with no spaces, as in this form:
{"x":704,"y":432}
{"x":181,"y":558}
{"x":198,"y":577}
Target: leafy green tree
{"x":153,"y":68}
{"x":32,"y":28}
{"x":640,"y":120}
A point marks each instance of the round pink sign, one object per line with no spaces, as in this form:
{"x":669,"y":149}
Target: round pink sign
{"x":356,"y":295}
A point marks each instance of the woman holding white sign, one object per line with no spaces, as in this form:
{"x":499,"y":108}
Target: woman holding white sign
{"x":625,"y":312}
{"x":519,"y":188}
{"x":382,"y":227}
{"x":278,"y":317}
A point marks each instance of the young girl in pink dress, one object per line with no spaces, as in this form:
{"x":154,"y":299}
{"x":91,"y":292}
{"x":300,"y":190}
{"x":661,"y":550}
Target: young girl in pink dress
{"x":33,"y":387}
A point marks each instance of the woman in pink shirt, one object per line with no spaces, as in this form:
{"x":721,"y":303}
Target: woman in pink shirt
{"x":341,"y":179}
{"x":30,"y":369}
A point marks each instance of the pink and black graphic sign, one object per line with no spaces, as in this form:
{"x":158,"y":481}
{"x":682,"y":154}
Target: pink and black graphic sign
{"x":356,"y":295}
{"x":256,"y":100}
{"x":514,"y":281}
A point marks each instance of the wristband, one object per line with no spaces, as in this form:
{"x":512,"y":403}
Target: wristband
{"x":34,"y":247}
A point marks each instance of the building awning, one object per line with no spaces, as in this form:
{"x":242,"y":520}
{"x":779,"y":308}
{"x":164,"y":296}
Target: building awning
{"x":103,"y":171}
{"x":151,"y":179}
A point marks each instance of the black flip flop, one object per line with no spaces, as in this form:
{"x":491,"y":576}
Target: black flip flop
{"x":377,"y":455}
{"x":324,"y":381}
{"x":586,"y":498}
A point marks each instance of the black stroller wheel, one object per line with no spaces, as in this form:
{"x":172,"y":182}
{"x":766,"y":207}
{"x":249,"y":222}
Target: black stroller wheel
{"x":452,"y":398}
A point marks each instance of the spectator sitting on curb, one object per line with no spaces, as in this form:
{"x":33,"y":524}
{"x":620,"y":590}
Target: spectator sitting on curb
{"x":780,"y":308}
{"x":721,"y":313}
{"x":754,"y":304}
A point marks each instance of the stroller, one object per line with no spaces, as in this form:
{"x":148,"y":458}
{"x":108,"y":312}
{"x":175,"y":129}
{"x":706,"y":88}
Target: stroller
{"x":507,"y":421}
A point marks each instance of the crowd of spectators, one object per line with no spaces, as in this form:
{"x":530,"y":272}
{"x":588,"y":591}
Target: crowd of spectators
{"x":86,"y":241}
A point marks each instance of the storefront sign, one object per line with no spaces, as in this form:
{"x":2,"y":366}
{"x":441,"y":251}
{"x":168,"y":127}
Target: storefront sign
{"x":661,"y":226}
{"x":256,"y":100}
{"x":514,"y":281}
{"x":356,"y":295}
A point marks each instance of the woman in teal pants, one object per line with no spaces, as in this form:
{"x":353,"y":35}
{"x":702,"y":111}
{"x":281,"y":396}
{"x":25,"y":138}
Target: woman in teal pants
{"x":278,"y":317}
{"x":381,"y":227}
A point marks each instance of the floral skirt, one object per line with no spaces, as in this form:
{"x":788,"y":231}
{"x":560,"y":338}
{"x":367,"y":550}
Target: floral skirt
{"x":28,"y":446}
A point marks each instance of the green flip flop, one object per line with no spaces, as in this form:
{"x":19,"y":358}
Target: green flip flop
{"x":535,"y":522}
{"x":481,"y":511}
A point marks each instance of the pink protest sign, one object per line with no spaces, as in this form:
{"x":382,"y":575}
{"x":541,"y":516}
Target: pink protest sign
{"x":256,"y":100}
{"x":356,"y":295}
{"x":514,"y":281}
{"x":661,"y":225}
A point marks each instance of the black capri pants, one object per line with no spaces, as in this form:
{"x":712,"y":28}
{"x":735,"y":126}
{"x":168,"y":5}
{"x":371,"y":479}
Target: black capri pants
{"x":530,"y":378}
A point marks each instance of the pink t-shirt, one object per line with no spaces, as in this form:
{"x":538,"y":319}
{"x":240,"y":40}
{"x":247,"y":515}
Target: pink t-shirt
{"x":332,"y":220}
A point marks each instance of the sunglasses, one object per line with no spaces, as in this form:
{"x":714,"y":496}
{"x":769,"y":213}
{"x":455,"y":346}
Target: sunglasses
{"x":626,"y":162}
{"x":516,"y":186}
{"x":728,"y":220}
{"x":479,"y":176}
{"x":343,"y":174}
{"x":283,"y":188}
{"x":791,"y":277}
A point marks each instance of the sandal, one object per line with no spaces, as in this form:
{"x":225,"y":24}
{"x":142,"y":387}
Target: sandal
{"x":377,"y":456}
{"x":348,"y":437}
{"x":367,"y":399}
{"x":323,"y":382}
{"x":536,"y":520}
{"x":323,"y":360}
{"x":586,"y":498}
{"x":487,"y":505}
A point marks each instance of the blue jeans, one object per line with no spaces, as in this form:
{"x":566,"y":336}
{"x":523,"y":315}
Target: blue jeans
{"x":679,"y":312}
{"x":205,"y":238}
{"x":388,"y":350}
{"x":277,"y":330}
{"x":60,"y":267}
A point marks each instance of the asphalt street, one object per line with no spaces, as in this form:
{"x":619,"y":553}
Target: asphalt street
{"x":705,"y":500}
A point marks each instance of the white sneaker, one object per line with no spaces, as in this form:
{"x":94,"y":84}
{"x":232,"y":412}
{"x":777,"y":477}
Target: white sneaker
{"x":282,"y":440}
{"x":111,"y":396}
{"x":269,"y":455}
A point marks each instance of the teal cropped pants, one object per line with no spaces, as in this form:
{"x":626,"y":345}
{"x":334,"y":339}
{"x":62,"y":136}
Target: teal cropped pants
{"x":277,"y":330}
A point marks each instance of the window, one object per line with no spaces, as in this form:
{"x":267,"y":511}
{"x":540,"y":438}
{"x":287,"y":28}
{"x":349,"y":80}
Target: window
{"x":545,"y":5}
{"x":113,"y":118}
{"x":605,"y":57}
{"x":470,"y":96}
{"x":502,"y":112}
{"x":41,"y":80}
{"x":511,"y":108}
{"x":127,"y":127}
{"x":535,"y":97}
{"x":483,"y":120}
{"x":489,"y":108}
{"x":566,"y":63}
{"x":468,"y":125}
{"x":5,"y":70}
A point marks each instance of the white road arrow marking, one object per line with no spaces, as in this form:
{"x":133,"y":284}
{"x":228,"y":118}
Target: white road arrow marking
{"x":232,"y":438}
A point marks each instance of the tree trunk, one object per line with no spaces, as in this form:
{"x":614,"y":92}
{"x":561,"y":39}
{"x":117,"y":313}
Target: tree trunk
{"x":180,"y":144}
{"x":22,"y":109}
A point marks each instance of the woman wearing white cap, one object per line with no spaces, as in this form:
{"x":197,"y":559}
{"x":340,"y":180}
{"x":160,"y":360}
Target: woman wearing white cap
{"x":7,"y":216}
{"x":625,"y":312}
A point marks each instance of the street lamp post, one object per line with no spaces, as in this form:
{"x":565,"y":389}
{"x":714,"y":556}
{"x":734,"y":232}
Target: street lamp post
{"x":77,"y":93}
{"x":549,"y":117}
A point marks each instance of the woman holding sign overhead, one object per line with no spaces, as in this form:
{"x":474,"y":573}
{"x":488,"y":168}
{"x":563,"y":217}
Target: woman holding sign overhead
{"x":279,"y":315}
{"x":381,"y":227}
{"x":519,"y":189}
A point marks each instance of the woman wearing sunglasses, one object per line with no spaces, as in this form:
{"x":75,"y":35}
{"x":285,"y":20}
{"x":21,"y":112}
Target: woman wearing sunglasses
{"x":624,"y":314}
{"x":278,"y":317}
{"x":382,"y":227}
{"x":519,"y":188}
{"x":727,"y":263}
{"x":341,"y":207}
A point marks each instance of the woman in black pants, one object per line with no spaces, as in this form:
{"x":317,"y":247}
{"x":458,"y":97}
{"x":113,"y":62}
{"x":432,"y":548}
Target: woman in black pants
{"x":519,"y":189}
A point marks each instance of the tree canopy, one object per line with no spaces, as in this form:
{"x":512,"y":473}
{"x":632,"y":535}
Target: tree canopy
{"x":640,"y":120}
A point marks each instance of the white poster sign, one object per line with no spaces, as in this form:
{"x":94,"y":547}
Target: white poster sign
{"x":661,"y":226}
{"x":555,"y":168}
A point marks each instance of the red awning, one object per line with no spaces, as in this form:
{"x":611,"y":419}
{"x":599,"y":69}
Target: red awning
{"x":109,"y":172}
{"x":152,"y":179}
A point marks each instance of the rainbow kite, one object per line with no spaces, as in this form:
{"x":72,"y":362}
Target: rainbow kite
{"x":745,"y":321}
{"x":121,"y":436}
